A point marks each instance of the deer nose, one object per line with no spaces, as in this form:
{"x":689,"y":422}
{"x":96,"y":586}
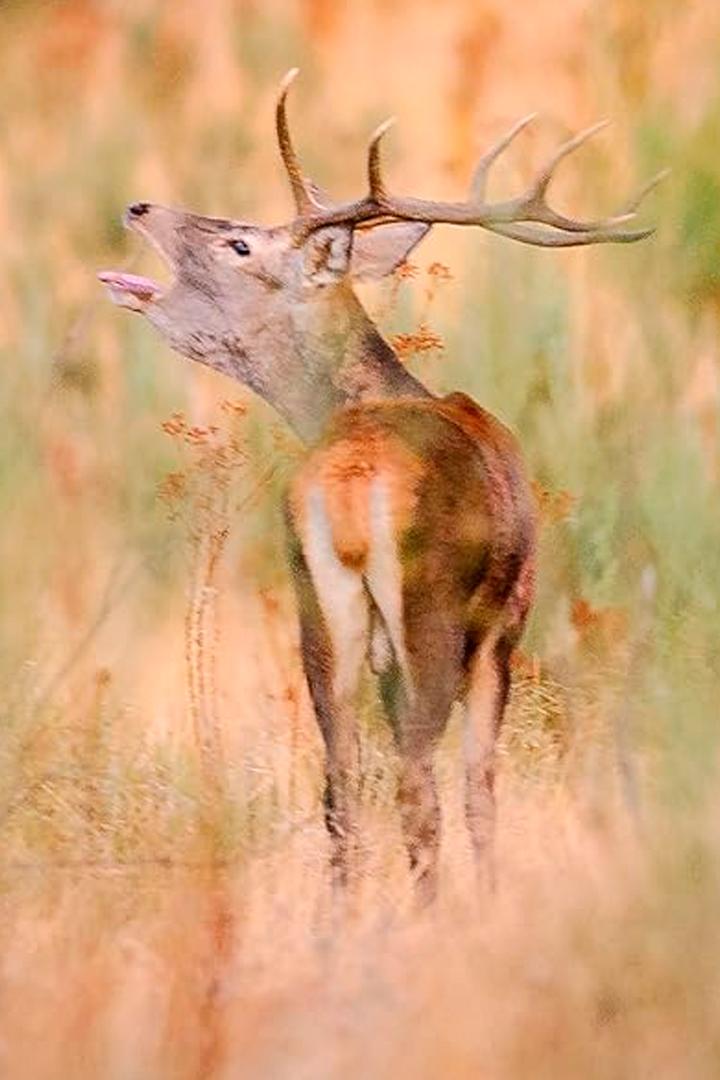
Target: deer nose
{"x":137,"y":209}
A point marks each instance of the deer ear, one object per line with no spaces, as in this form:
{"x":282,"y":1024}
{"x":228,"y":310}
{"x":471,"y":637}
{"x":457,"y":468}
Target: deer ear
{"x":377,"y":252}
{"x":326,"y":255}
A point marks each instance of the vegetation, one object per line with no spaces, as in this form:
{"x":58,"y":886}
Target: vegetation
{"x":164,"y":897}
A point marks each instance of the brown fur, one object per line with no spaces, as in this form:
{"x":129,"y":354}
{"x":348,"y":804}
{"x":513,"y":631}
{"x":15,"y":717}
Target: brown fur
{"x":423,"y":519}
{"x":412,"y":444}
{"x":357,"y":450}
{"x":463,"y":522}
{"x":413,"y":518}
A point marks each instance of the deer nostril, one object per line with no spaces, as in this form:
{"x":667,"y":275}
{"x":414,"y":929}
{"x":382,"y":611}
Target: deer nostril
{"x":138,"y":209}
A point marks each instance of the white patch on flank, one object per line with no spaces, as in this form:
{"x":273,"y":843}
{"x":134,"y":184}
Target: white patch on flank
{"x":340,"y":593}
{"x":384,"y":573}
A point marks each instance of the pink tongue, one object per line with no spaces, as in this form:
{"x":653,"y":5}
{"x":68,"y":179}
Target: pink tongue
{"x":140,"y":286}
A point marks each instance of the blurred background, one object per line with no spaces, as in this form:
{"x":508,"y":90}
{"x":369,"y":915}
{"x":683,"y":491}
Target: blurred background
{"x":155,"y":724}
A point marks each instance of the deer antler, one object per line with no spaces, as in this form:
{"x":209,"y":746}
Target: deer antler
{"x":301,"y":190}
{"x":527,"y":217}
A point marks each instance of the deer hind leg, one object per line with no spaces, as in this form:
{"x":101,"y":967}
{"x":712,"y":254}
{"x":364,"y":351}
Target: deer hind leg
{"x":416,"y":727}
{"x":420,"y":816}
{"x":390,"y":660}
{"x":422,"y":712}
{"x":417,"y":696}
{"x":487,"y":694}
{"x":333,"y":613}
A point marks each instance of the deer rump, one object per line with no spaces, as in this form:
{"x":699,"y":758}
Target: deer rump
{"x":412,"y":525}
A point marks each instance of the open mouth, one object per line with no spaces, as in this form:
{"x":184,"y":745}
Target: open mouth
{"x":123,"y":286}
{"x":136,"y":291}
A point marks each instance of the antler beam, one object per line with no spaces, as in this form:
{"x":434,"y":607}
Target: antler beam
{"x":527,"y":218}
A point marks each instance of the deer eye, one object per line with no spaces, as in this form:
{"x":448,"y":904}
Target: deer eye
{"x":240,"y":247}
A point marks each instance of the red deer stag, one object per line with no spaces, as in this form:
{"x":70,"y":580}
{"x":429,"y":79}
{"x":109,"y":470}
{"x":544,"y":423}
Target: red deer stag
{"x":411,"y":521}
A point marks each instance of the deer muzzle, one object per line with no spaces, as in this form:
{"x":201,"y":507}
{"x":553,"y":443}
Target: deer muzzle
{"x":136,"y":291}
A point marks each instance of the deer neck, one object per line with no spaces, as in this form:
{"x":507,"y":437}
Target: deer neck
{"x":334,"y":355}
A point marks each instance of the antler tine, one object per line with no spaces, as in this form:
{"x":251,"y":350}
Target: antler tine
{"x":542,"y":236}
{"x":633,"y":205}
{"x":536,"y":207}
{"x":478,"y":182}
{"x":304,"y":201}
{"x":527,"y":218}
{"x":375,"y":181}
{"x":546,"y":174}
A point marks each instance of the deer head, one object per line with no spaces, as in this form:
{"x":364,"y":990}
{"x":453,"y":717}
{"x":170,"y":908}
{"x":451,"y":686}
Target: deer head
{"x":274,"y":306}
{"x":237,"y":288}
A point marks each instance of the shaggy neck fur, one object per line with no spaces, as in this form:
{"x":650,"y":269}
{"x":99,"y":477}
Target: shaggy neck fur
{"x":330,"y":355}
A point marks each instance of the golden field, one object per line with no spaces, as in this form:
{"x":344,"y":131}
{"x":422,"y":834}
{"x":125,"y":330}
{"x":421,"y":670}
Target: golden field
{"x":165,"y":907}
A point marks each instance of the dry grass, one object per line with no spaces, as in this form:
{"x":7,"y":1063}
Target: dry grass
{"x":165,"y":908}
